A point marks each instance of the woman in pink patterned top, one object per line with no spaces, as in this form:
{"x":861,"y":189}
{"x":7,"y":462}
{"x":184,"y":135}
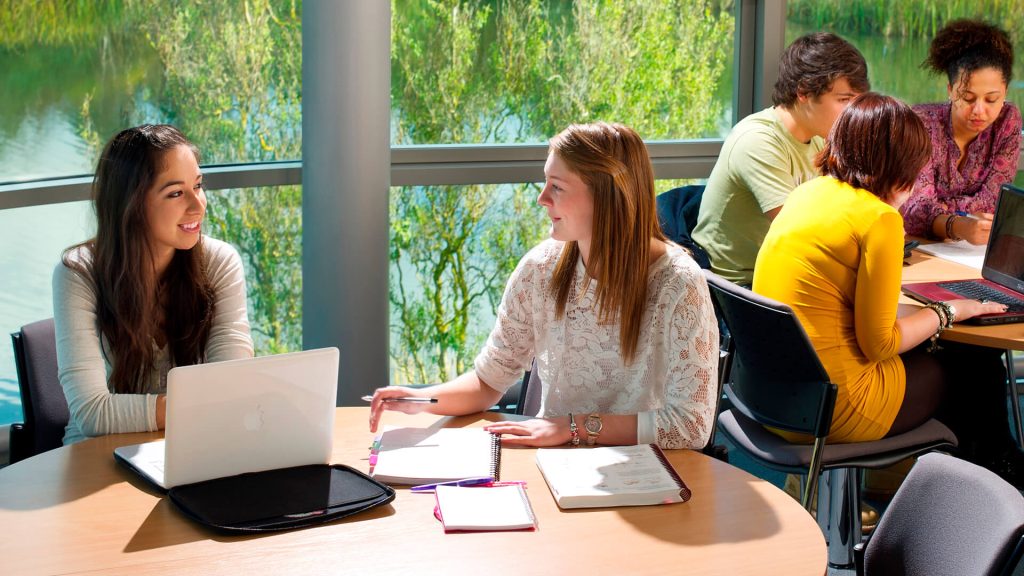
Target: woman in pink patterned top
{"x":975,"y":136}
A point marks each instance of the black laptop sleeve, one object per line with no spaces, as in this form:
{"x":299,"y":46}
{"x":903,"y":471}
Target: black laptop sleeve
{"x":280,"y":499}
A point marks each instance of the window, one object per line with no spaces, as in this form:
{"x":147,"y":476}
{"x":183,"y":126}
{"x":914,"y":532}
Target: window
{"x":894,"y":38}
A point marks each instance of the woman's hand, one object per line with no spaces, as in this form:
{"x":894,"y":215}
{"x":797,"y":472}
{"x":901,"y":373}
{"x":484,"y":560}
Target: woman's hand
{"x":974,"y":228}
{"x":380,"y":403}
{"x":967,"y":309}
{"x":538,"y":432}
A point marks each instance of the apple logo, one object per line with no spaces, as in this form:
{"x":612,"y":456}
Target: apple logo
{"x":254,"y":420}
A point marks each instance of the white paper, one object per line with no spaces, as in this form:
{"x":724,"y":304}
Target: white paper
{"x":961,"y":252}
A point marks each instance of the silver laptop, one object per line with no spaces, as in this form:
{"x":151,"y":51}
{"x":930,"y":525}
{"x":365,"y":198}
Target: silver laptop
{"x":238,"y":416}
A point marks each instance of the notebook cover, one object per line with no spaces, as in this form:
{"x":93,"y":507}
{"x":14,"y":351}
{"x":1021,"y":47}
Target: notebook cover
{"x":484,"y":509}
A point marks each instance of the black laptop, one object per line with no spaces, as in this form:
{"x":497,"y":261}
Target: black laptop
{"x":1002,"y":272}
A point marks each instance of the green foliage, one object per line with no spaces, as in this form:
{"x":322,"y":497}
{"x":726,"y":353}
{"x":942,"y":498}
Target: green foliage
{"x":520,"y":71}
{"x":239,"y":97}
{"x":229,"y":75}
{"x":920,"y":18}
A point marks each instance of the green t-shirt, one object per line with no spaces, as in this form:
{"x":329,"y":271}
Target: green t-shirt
{"x":760,"y":164}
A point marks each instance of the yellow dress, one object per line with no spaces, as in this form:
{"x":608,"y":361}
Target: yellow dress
{"x":835,"y":255}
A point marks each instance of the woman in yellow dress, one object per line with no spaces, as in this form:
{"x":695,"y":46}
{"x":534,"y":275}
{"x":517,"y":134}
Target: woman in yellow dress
{"x":835,"y":255}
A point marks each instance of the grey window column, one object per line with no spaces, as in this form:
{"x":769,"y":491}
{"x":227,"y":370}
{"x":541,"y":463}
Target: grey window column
{"x":346,"y":81}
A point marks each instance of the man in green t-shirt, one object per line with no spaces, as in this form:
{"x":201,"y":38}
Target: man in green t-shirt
{"x":770,"y":152}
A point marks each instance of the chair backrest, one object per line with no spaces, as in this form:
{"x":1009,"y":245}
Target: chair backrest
{"x":529,"y":394}
{"x":948,"y":517}
{"x":42,"y":398}
{"x":776,"y":378}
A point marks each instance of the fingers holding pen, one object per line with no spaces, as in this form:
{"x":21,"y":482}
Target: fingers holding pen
{"x":396,"y":398}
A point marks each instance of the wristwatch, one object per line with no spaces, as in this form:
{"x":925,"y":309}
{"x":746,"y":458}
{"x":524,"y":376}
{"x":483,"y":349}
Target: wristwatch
{"x":593,"y":426}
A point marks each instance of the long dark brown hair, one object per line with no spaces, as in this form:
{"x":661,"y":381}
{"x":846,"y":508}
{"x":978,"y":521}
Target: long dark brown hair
{"x":612,"y":160}
{"x":128,"y":302}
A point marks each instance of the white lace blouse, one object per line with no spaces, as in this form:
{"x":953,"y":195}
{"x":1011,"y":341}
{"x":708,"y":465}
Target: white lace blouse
{"x":670,"y":383}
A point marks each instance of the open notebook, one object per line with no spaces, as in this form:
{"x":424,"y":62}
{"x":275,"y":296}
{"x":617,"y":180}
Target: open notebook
{"x":611,"y":476}
{"x":428,"y":455}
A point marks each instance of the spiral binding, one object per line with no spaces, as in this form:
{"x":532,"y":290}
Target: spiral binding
{"x":684,"y":490}
{"x":496,"y":456}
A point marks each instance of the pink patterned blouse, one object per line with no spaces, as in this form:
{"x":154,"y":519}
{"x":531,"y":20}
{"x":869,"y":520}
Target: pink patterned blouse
{"x":941,"y":188}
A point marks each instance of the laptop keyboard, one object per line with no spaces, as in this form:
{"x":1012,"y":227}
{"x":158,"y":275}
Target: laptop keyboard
{"x":978,"y":291}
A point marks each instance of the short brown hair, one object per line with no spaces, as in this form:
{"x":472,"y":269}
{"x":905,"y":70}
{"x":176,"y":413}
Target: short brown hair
{"x":813,"y":62}
{"x":878,"y":144}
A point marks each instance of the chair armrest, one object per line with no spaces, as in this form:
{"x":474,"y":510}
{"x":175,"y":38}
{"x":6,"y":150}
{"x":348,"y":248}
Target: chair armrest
{"x":858,"y":557}
{"x":21,"y":443}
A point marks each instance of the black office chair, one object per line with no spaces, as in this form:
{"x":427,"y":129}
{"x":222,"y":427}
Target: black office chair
{"x":42,"y":398}
{"x":777,"y":381}
{"x":948,"y":517}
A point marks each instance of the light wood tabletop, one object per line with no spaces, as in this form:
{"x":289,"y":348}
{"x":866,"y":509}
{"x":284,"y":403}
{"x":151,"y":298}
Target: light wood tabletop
{"x":927,"y":268}
{"x":75,"y":511}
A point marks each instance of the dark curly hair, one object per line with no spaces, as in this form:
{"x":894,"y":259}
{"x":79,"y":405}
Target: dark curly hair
{"x":813,"y":62}
{"x":964,"y":46}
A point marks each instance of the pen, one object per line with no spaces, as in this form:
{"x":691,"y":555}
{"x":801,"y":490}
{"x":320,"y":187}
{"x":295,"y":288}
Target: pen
{"x":412,"y":399}
{"x":480,"y":481}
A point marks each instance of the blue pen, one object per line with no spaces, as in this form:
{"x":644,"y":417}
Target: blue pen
{"x":482,"y":480}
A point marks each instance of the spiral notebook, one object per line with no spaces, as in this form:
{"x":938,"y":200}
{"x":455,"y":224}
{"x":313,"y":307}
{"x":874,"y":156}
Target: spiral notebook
{"x":430,"y":455}
{"x":484,"y":509}
{"x":611,"y":476}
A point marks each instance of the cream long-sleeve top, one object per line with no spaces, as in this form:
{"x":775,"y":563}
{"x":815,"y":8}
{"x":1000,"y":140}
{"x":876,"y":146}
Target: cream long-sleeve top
{"x":671,"y":383}
{"x":84,"y":368}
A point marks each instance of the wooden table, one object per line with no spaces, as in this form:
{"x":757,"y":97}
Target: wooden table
{"x":927,"y":268}
{"x":75,"y":511}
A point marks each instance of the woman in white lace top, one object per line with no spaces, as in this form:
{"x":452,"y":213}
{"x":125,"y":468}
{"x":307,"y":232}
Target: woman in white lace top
{"x":620,"y":321}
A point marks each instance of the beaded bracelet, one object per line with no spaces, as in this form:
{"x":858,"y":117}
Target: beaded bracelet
{"x":941,"y":312}
{"x":949,"y":228}
{"x":574,"y":433}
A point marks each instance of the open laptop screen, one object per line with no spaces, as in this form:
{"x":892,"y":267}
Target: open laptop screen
{"x":1004,"y":260}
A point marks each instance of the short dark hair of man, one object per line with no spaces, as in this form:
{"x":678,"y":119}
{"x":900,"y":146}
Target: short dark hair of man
{"x":877,"y":144}
{"x":813,"y":62}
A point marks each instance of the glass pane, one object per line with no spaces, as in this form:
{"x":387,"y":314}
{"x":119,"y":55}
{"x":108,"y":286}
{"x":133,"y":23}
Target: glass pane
{"x":227,"y":73}
{"x":894,"y":38}
{"x":31,"y":242}
{"x":264,"y":224}
{"x":501,"y":71}
{"x":452,"y":249}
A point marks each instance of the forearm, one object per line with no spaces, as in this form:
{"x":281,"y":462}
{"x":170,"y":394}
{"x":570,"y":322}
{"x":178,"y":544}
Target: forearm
{"x":466,"y":394}
{"x":916,"y":328}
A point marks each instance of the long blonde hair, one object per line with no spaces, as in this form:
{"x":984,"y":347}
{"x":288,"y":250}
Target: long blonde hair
{"x":612,"y":161}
